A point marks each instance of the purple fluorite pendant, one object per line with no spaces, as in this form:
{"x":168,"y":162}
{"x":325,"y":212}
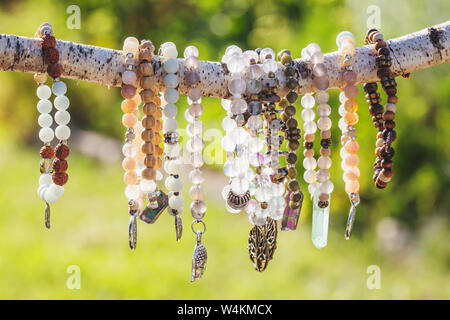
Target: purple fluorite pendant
{"x":290,"y":216}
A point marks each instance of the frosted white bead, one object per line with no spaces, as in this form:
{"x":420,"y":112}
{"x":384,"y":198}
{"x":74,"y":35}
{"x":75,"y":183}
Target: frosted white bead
{"x":324,"y":162}
{"x":170,"y":125}
{"x":309,"y":163}
{"x":173,"y":166}
{"x":323,"y":110}
{"x":317,"y":57}
{"x":57,"y":190}
{"x":196,"y":176}
{"x":342,"y":125}
{"x":172,"y":150}
{"x":169,"y":52}
{"x":278,"y":189}
{"x":226,"y":103}
{"x":43,"y":92}
{"x":391,"y":107}
{"x":228,"y":124}
{"x":171,"y":95}
{"x":46,"y":134}
{"x":61,"y":102}
{"x":309,"y":176}
{"x":266,"y":53}
{"x":239,"y":135}
{"x":312,"y":188}
{"x":228,"y":143}
{"x":196,"y":192}
{"x":236,"y":64}
{"x":41,"y":191}
{"x":233,"y":50}
{"x":195,"y":128}
{"x":239,"y":185}
{"x":129,"y":150}
{"x":344,"y":34}
{"x":176,"y":202}
{"x":174,"y":184}
{"x":307,"y":101}
{"x":229,"y":169}
{"x":45,"y":179}
{"x":132,"y":192}
{"x":270,"y":65}
{"x":190,"y":51}
{"x":255,"y":71}
{"x":326,"y":187}
{"x":343,"y":153}
{"x":308,"y":115}
{"x":322,"y":96}
{"x":147,"y":185}
{"x":131,"y":44}
{"x":44,"y":106}
{"x":62,"y":132}
{"x":59,"y":88}
{"x":305,"y":54}
{"x":263,"y":194}
{"x":50,"y":196}
{"x":237,"y":86}
{"x":196,"y":143}
{"x":171,"y":81}
{"x":309,"y":127}
{"x":62,"y":117}
{"x":238,"y":106}
{"x":342,"y":97}
{"x":168,"y":44}
{"x":45,"y":120}
{"x":171,"y":66}
{"x":324,"y":123}
{"x":170,"y":110}
{"x":313,"y":48}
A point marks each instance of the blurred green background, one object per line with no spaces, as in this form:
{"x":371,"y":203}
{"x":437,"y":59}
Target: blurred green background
{"x":404,"y":230}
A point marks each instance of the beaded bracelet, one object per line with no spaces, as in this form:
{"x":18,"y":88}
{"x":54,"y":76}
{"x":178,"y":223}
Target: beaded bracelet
{"x":129,"y":119}
{"x":321,"y":189}
{"x":384,"y":121}
{"x":51,"y":187}
{"x":172,"y":163}
{"x":237,"y":193}
{"x":151,"y":138}
{"x":294,"y":199}
{"x":346,"y":44}
{"x":195,"y":145}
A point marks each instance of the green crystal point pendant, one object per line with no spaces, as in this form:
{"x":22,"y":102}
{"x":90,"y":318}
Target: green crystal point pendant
{"x":321,"y":216}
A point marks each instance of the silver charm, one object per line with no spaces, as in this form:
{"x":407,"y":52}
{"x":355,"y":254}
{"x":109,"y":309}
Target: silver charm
{"x":238,"y":202}
{"x":178,"y":227}
{"x":132,"y":232}
{"x":354,"y":200}
{"x":47,"y":215}
{"x":200,"y":255}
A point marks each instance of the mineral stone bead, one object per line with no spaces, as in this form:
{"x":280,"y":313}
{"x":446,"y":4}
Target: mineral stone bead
{"x":47,"y":152}
{"x":129,"y":164}
{"x":55,"y":70}
{"x":128,"y":91}
{"x":146,"y":69}
{"x":128,"y":106}
{"x":48,"y":41}
{"x":59,"y":165}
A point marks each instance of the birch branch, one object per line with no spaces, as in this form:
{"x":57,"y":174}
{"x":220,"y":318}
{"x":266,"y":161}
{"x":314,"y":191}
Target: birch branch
{"x":412,"y":52}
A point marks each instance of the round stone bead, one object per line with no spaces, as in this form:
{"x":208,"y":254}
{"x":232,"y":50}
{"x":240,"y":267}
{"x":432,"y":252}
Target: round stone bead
{"x":131,"y":44}
{"x":324,"y":123}
{"x":309,"y":127}
{"x":323,"y":110}
{"x":169,"y":52}
{"x":45,"y":120}
{"x":255,"y":122}
{"x":171,"y":66}
{"x":309,"y":163}
{"x":170,"y":110}
{"x":50,"y":196}
{"x":352,"y":186}
{"x":236,"y":64}
{"x":129,"y":150}
{"x":317,"y":58}
{"x":176,"y":202}
{"x":130,"y":177}
{"x":198,"y":209}
{"x":322,"y":97}
{"x":196,"y":192}
{"x":307,"y":101}
{"x":61,"y":102}
{"x":171,"y":95}
{"x":233,"y":50}
{"x":309,"y":176}
{"x":195,"y":94}
{"x":238,"y":106}
{"x":59,"y":88}
{"x":197,"y":159}
{"x":351,"y":91}
{"x":324,"y":162}
{"x":307,"y":115}
{"x":46,"y":134}
{"x":270,"y":65}
{"x":129,"y":120}
{"x":319,"y":70}
{"x":62,"y":117}
{"x":62,"y":132}
{"x":43,"y":92}
{"x":170,"y":125}
{"x":237,"y":86}
{"x":147,"y":185}
{"x":255,"y":71}
{"x":342,"y":35}
{"x":196,"y":176}
{"x":326,"y":187}
{"x":44,"y":106}
{"x":190,"y":51}
{"x":129,"y":77}
{"x":239,"y":185}
{"x":132,"y":192}
{"x":323,"y":175}
{"x":267,"y":53}
{"x":171,"y":81}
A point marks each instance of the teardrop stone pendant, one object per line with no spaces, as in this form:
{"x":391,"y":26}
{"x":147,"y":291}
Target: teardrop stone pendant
{"x":321,"y":216}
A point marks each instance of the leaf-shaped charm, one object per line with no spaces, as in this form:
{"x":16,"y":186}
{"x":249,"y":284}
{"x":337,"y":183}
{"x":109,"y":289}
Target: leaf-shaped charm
{"x":178,"y":227}
{"x":262,"y":242}
{"x":47,"y":215}
{"x":198,"y":259}
{"x":132,"y":233}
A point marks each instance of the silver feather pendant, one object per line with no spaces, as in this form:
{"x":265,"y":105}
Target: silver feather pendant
{"x":198,"y":259}
{"x":178,"y":227}
{"x":47,"y":215}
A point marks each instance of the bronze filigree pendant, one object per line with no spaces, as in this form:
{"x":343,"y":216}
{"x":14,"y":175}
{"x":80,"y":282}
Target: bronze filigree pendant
{"x":262,"y":242}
